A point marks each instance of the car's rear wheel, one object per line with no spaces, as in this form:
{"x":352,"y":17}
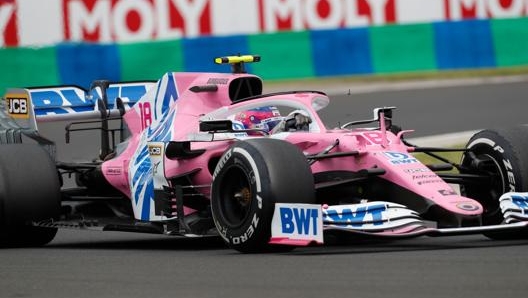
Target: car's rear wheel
{"x":29,"y":193}
{"x":500,"y":154}
{"x":249,"y":179}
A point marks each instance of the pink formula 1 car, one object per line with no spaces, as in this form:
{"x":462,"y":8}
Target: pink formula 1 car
{"x":207,"y":154}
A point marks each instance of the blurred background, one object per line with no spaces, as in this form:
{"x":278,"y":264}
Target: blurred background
{"x":55,"y":42}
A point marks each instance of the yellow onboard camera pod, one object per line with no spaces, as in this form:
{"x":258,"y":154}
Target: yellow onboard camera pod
{"x":237,"y":59}
{"x":237,"y":62}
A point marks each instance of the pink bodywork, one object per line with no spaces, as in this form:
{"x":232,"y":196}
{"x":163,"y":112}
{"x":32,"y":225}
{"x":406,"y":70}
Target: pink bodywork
{"x":377,"y":148}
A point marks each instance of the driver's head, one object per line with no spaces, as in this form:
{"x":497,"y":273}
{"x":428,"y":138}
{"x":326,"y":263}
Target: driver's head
{"x":264,"y":118}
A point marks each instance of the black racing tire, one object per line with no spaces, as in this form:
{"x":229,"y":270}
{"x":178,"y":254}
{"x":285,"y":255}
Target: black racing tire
{"x":501,"y":153}
{"x":243,"y":210}
{"x":29,"y":192}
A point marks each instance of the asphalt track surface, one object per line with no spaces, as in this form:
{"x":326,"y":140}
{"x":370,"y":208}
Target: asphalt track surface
{"x":110,"y":264}
{"x":431,"y":110}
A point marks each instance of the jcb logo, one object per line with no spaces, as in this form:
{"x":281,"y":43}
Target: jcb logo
{"x":154,"y":150}
{"x":17,"y":106}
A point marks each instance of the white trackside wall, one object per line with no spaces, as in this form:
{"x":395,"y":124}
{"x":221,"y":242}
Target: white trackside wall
{"x":40,"y":23}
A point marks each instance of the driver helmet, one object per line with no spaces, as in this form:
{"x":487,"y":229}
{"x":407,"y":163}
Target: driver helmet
{"x":264,"y":118}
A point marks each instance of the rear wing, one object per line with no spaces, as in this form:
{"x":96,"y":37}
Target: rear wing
{"x":73,"y":102}
{"x":22,"y":108}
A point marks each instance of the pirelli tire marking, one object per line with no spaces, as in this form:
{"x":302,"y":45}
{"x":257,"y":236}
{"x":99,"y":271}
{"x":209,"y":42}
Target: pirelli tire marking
{"x":508,"y":165}
{"x":255,"y":178}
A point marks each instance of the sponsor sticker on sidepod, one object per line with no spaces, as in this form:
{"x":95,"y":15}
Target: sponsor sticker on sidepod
{"x":297,"y":224}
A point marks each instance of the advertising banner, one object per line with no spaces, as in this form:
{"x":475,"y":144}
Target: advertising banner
{"x":42,"y":23}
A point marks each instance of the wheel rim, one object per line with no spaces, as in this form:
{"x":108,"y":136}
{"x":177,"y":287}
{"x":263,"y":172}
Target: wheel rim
{"x":488,"y":195}
{"x":237,"y":196}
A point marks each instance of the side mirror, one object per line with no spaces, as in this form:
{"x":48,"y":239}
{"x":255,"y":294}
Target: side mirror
{"x":216,"y":125}
{"x":386,"y":110}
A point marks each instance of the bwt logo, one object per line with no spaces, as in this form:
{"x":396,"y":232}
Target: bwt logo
{"x":356,"y":218}
{"x":57,"y":100}
{"x":302,"y":221}
{"x":520,"y":201}
{"x":398,"y":158}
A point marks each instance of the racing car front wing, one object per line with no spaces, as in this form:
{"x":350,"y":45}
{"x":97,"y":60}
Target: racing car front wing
{"x":305,"y":224}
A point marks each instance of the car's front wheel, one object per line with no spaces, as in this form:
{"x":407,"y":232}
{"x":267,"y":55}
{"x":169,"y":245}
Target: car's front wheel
{"x":249,"y":179}
{"x":500,"y":155}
